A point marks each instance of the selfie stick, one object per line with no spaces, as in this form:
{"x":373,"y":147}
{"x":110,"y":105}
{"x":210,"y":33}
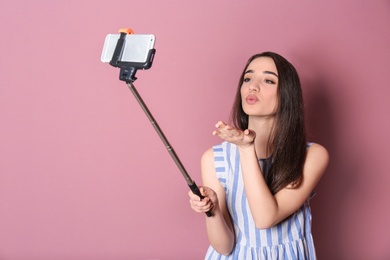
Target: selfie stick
{"x":127,"y":74}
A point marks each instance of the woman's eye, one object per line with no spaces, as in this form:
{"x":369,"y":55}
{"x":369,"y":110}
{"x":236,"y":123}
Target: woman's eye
{"x":268,"y":81}
{"x":247,"y":79}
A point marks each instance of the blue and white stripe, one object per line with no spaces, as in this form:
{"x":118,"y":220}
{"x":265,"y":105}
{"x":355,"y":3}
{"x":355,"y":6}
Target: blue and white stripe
{"x":290,"y":239}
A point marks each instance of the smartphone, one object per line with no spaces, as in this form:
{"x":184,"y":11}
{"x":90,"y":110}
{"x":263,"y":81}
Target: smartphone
{"x":137,"y":47}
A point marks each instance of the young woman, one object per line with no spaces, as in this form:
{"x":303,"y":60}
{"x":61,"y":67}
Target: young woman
{"x":259,"y":180}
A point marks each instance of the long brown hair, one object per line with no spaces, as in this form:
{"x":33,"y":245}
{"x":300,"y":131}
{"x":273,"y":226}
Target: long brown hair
{"x":287,"y":142}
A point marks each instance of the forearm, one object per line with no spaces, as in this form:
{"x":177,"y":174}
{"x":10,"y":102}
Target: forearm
{"x":219,"y":227}
{"x":261,"y":201}
{"x":221,"y":237}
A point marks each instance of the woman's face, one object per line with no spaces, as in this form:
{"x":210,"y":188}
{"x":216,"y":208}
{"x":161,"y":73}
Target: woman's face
{"x":259,"y":88}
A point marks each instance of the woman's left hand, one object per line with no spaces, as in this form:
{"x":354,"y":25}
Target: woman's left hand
{"x":234,"y":135}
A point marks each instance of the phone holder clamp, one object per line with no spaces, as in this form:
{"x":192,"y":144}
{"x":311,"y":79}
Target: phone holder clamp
{"x":129,"y":69}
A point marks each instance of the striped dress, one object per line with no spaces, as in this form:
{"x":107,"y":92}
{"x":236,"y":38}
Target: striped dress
{"x":290,"y":239}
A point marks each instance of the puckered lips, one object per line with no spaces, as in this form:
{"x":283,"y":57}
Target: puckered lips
{"x":251,"y":99}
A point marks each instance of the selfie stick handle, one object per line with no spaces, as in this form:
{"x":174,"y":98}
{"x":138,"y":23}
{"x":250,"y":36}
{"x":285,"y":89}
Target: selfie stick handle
{"x":191,"y":183}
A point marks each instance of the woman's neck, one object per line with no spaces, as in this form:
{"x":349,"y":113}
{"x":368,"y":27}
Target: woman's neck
{"x":263,"y":128}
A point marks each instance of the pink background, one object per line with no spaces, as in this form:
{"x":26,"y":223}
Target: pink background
{"x":83,"y":175}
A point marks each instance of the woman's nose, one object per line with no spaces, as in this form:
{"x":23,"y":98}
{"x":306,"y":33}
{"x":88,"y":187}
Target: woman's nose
{"x":254,"y":87}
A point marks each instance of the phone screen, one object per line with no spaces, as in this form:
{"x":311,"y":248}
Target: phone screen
{"x":136,"y":48}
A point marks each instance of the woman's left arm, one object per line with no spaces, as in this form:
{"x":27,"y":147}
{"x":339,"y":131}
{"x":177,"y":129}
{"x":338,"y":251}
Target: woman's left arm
{"x":267,"y":209}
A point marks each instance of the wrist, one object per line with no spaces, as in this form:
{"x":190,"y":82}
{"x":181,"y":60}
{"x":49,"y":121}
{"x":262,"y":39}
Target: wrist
{"x":246,"y":148}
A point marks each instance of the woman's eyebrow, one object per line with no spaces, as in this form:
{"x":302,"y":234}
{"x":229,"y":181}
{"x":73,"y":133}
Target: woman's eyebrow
{"x":264,"y":72}
{"x":270,"y":72}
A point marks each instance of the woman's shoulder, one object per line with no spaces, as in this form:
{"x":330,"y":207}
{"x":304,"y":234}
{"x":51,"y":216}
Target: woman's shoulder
{"x":317,"y":148}
{"x":208,"y":153}
{"x":317,"y":156}
{"x":218,"y":150}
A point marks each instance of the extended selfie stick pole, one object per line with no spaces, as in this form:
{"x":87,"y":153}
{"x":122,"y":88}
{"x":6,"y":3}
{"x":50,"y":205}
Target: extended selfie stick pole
{"x":191,"y":183}
{"x":127,"y":73}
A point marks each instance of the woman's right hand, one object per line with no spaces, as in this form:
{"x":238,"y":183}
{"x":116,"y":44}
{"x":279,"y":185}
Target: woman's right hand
{"x":234,"y":135}
{"x":208,"y":203}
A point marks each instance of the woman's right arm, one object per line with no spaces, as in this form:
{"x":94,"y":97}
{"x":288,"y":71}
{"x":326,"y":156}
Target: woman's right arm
{"x":219,"y":227}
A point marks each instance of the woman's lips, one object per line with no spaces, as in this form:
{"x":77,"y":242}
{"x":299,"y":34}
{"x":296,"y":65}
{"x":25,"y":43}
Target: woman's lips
{"x":251,"y":99}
